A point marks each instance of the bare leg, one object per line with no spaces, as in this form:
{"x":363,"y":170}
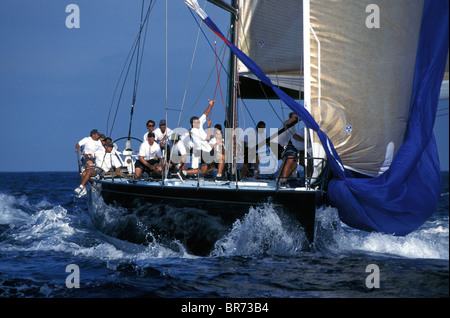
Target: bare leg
{"x":86,"y":175}
{"x":138,"y":172}
{"x":289,"y":168}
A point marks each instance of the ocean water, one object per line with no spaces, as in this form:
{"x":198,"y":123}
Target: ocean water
{"x":51,"y":246}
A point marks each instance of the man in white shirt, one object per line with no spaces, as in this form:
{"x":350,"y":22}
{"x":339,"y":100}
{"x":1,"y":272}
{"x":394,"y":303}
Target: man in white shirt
{"x":200,"y":140}
{"x":149,"y":157}
{"x":151,"y":128}
{"x":89,"y":146}
{"x":162,"y":133}
{"x":187,"y":141}
{"x":178,"y":153}
{"x":105,"y":160}
{"x":291,"y":133}
{"x":293,"y":150}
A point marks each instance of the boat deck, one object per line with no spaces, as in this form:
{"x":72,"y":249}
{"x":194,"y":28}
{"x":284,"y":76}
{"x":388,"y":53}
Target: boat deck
{"x":247,"y":184}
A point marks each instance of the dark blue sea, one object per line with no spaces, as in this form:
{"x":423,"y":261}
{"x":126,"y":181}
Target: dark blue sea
{"x":51,"y":246}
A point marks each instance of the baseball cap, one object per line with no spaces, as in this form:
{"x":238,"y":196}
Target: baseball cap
{"x":95,"y":131}
{"x":162,"y":122}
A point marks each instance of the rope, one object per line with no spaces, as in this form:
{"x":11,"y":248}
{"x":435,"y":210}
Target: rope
{"x":138,"y":67}
{"x":128,"y":62}
{"x":189,"y":75}
{"x":218,"y":83}
{"x":214,"y":67}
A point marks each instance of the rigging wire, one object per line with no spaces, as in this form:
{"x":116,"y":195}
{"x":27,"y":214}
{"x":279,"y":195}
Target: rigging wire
{"x":217,"y":69}
{"x":218,"y":85}
{"x":138,"y":68}
{"x":200,"y":94}
{"x":250,"y":114}
{"x":190,"y":72}
{"x":227,"y":74}
{"x":126,"y":69}
{"x":214,"y":67}
{"x":209,"y":42}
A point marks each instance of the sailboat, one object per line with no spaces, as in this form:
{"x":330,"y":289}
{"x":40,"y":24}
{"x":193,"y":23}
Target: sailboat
{"x":363,"y":76}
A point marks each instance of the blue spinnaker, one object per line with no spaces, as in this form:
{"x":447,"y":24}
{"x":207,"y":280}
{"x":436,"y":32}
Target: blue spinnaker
{"x":406,"y":195}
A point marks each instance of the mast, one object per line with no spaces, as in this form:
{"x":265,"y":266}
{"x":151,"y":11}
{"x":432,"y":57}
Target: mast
{"x":231,"y":120}
{"x":306,"y":78}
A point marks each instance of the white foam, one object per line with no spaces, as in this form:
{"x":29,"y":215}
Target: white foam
{"x":108,"y":217}
{"x":41,"y":227}
{"x":429,"y":241}
{"x":261,"y":231}
{"x":11,"y":215}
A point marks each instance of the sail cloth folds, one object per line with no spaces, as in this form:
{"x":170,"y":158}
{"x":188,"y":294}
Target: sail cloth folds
{"x":361,"y":97}
{"x":272,"y":36}
{"x":405,"y":196}
{"x":335,"y":163}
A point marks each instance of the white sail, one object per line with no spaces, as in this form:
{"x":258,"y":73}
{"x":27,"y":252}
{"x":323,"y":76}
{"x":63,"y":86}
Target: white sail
{"x":272,"y":37}
{"x":362,"y":68}
{"x":367,"y":58}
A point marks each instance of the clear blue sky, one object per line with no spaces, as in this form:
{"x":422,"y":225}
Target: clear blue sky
{"x":57,"y":83}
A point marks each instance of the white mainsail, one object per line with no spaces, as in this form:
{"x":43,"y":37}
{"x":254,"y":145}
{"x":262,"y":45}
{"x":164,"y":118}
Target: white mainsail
{"x":272,"y":38}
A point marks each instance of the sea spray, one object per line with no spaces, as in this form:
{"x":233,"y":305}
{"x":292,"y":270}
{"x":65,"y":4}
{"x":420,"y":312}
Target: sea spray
{"x":30,"y":269}
{"x":133,"y":233}
{"x":262,"y":231}
{"x":332,"y":236}
{"x":11,"y":211}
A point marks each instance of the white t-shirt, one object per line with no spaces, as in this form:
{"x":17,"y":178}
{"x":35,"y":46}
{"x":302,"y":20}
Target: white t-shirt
{"x":149,"y":152}
{"x":288,"y":135}
{"x":179,"y":148}
{"x":177,"y":152}
{"x":199,"y":136}
{"x":90,"y":146}
{"x":186,"y":140}
{"x":285,"y":136}
{"x":299,"y":145}
{"x":159,"y":135}
{"x":106,"y":161}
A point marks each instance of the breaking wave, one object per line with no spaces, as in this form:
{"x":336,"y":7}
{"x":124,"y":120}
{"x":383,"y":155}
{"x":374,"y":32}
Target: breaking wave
{"x":26,"y":226}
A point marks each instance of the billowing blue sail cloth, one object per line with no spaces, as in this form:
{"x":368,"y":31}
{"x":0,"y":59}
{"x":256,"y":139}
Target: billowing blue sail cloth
{"x":404,"y":197}
{"x":407,"y":194}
